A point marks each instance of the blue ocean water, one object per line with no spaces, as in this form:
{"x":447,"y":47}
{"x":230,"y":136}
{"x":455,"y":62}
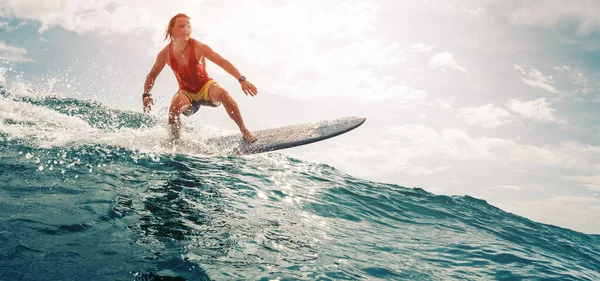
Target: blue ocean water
{"x":88,"y":193}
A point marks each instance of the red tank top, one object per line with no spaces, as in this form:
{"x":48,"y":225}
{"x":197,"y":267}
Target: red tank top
{"x":193,"y":76}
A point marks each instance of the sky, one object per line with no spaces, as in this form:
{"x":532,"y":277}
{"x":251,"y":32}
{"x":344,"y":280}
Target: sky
{"x":495,"y":99}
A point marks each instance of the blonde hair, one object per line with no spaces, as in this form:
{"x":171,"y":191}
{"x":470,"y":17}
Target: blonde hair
{"x":168,"y":34}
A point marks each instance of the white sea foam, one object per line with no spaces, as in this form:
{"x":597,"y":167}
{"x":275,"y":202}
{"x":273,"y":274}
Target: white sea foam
{"x":45,"y":127}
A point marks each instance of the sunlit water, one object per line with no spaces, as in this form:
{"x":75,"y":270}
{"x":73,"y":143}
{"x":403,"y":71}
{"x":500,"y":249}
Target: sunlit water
{"x":92,"y":193}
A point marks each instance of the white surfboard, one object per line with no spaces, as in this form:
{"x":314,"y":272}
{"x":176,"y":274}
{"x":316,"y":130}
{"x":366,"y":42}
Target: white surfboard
{"x":288,"y":136}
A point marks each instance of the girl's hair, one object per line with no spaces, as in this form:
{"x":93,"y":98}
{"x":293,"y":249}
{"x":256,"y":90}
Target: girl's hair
{"x":168,"y":34}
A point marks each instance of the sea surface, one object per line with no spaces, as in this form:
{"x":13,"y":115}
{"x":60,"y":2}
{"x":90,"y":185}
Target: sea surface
{"x":89,"y":192}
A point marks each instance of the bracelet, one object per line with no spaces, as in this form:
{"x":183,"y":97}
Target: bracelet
{"x":146,"y":95}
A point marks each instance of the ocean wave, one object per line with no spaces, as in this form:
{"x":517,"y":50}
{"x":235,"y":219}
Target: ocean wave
{"x":89,"y":192}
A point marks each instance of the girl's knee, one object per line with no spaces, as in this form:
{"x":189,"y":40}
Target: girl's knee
{"x":218,"y":93}
{"x":179,"y":103}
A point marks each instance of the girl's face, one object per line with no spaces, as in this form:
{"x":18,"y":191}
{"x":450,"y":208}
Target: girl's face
{"x":182,"y":28}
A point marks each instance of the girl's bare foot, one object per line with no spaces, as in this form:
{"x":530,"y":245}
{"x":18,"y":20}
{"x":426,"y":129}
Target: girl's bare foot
{"x":249,"y":136}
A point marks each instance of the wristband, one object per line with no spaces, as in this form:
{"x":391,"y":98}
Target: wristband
{"x":146,"y":95}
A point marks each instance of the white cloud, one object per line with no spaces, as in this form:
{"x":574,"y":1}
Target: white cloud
{"x":446,"y":103}
{"x":572,"y":157}
{"x":109,"y":16}
{"x":295,"y":65}
{"x":488,"y":116}
{"x":592,"y":182}
{"x":538,"y":109}
{"x":417,"y":141}
{"x":579,"y":86}
{"x":577,"y":156}
{"x":474,"y":11}
{"x":290,"y":54}
{"x":536,"y":79}
{"x":533,"y":157}
{"x":445,"y":60}
{"x":405,"y":96}
{"x":422,"y":171}
{"x":581,"y":80}
{"x":412,"y":150}
{"x":410,"y":143}
{"x":13,"y":54}
{"x":562,"y":68}
{"x":339,"y":20}
{"x":351,"y":71}
{"x":6,"y":25}
{"x":585,"y":86}
{"x":416,"y":150}
{"x":422,"y":47}
{"x":551,"y":12}
{"x":504,"y":188}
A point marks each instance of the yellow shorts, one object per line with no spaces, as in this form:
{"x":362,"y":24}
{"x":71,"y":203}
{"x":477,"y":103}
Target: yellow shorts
{"x":200,"y":98}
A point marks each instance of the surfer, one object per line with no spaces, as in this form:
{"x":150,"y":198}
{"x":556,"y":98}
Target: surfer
{"x":187,"y":58}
